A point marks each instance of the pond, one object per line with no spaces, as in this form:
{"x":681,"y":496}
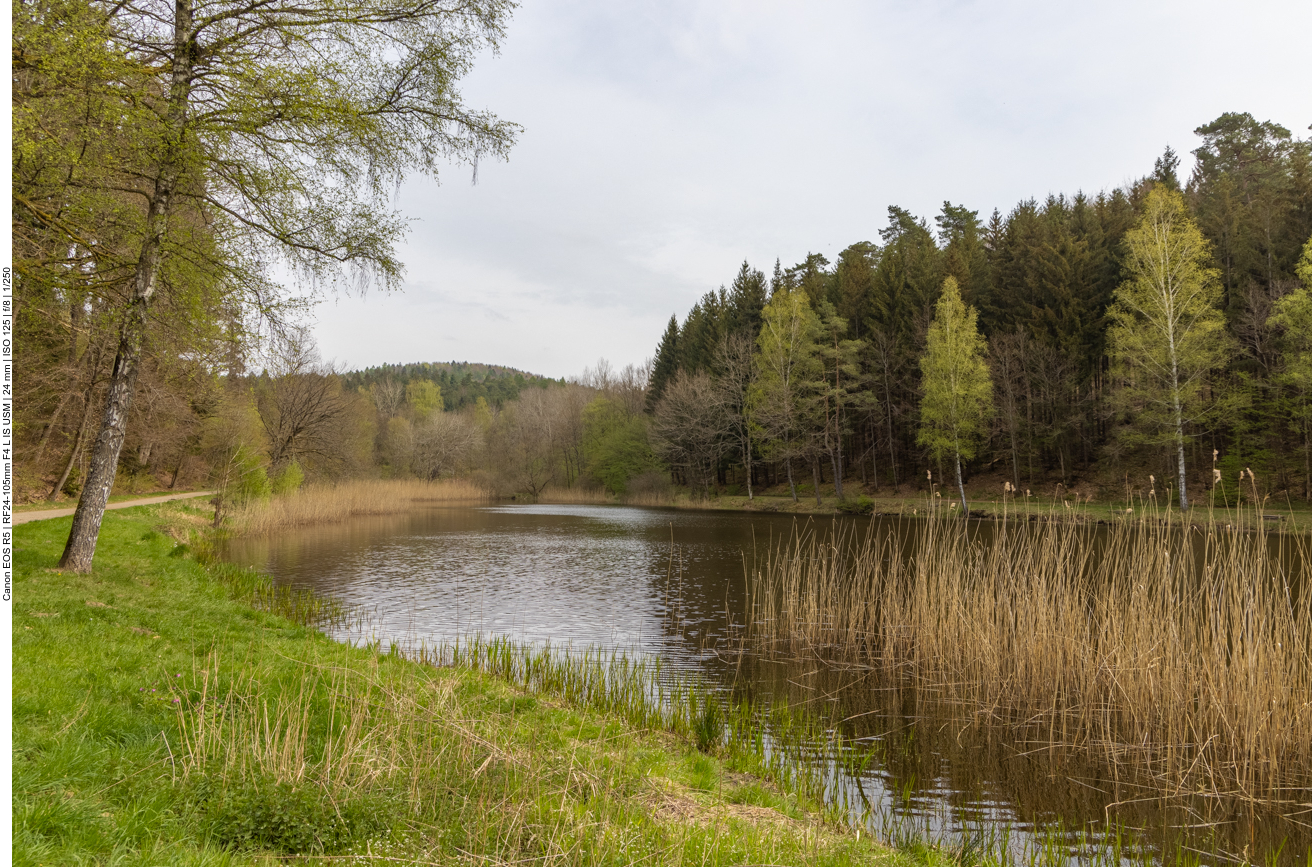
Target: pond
{"x":674,"y":584}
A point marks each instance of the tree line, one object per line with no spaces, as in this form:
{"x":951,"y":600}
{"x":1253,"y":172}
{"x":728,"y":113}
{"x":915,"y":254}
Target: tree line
{"x":461,"y":383}
{"x":820,"y":368}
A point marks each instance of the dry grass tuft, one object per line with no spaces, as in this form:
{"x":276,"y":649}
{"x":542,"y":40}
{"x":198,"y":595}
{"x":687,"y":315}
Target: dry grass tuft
{"x":583,"y":496}
{"x":653,"y":499}
{"x":1172,"y":649}
{"x":577,"y":496}
{"x":341,"y":730}
{"x":323,"y":504}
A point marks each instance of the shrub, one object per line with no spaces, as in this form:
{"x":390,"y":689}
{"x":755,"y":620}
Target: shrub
{"x":73,"y":485}
{"x":251,"y":480}
{"x":861,"y":505}
{"x":289,"y":480}
{"x":284,"y":817}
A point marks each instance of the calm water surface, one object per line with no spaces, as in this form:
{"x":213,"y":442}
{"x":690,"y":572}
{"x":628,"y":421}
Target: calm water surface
{"x":672,"y":583}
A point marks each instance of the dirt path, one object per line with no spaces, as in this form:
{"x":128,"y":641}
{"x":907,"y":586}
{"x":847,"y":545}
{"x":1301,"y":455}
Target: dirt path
{"x":24,"y":517}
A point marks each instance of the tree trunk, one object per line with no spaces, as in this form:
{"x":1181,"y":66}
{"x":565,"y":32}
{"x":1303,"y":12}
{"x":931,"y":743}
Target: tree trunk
{"x":81,"y":547}
{"x":792,"y":486}
{"x":1179,"y":451}
{"x":892,"y":443}
{"x":177,"y":469}
{"x":961,"y":488}
{"x":815,"y":476}
{"x":72,"y":460}
{"x":747,"y":466}
{"x":1015,"y":454}
{"x":1307,"y":458}
{"x":837,"y":465}
{"x":49,"y":429}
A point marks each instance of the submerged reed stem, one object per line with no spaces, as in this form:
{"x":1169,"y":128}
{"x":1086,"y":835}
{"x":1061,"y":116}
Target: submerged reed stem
{"x":1165,"y":647}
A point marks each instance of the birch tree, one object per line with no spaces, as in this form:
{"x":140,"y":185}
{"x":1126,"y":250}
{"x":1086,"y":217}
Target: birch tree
{"x":958,"y":400}
{"x":1294,"y":314}
{"x":286,"y":125}
{"x":788,"y":372}
{"x":1167,"y":332}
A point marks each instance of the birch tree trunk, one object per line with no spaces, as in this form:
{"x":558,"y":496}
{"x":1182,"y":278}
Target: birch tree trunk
{"x":961,"y":489}
{"x":81,"y":546}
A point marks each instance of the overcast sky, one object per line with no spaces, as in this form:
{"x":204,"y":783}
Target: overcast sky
{"x":665,"y":142}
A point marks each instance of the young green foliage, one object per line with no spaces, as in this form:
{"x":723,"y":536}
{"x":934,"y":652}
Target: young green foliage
{"x":958,"y":399}
{"x":789,"y":370}
{"x":286,"y":125}
{"x":1294,"y":314}
{"x":615,"y":446}
{"x":424,"y":397}
{"x":1168,"y":332}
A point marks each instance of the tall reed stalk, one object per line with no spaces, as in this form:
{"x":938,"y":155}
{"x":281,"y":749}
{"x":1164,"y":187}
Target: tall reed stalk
{"x":1174,"y":648}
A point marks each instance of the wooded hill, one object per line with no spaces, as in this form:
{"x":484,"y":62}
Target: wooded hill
{"x":462,"y":383}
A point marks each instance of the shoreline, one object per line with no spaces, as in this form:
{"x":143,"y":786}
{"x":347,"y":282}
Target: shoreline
{"x":1034,"y":511}
{"x":122,"y":667}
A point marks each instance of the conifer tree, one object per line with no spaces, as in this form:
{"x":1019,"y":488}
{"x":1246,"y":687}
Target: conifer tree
{"x":665,"y":365}
{"x":747,"y":296}
{"x":958,"y":394}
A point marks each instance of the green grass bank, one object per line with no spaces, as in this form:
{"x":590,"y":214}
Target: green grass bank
{"x":167,"y":712}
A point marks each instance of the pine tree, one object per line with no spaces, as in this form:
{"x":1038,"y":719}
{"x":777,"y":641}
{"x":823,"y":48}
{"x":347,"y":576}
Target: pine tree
{"x":958,"y":393}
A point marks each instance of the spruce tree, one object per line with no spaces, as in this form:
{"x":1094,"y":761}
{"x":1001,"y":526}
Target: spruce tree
{"x":747,"y":297}
{"x":665,"y":365}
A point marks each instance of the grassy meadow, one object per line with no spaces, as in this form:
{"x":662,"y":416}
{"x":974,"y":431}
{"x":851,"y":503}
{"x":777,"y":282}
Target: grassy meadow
{"x":169,"y":712}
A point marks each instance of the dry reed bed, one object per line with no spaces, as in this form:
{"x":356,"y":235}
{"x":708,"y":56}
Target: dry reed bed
{"x":323,"y":504}
{"x":1185,"y":659}
{"x":581,"y":496}
{"x":576,"y":496}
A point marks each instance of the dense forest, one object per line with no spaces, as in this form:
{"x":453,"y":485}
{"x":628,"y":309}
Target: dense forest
{"x":461,"y":383}
{"x":1041,"y":280}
